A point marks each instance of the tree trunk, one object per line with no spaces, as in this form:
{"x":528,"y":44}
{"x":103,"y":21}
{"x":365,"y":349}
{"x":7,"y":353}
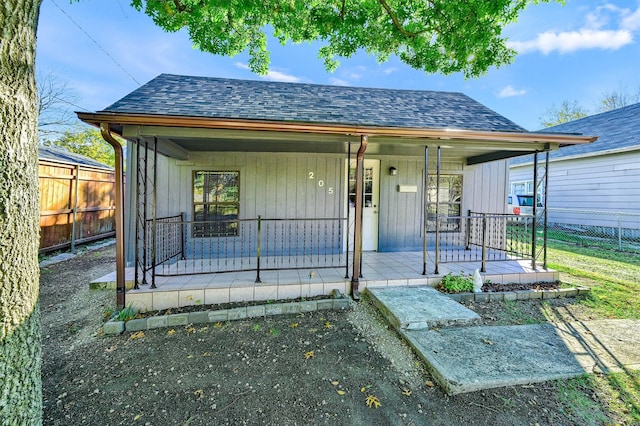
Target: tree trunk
{"x":20,"y":340}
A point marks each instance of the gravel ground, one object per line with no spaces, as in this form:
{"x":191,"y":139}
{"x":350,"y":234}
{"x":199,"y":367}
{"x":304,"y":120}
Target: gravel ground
{"x":315,"y":368}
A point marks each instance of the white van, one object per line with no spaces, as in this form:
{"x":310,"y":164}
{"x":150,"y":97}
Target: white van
{"x":520,"y":204}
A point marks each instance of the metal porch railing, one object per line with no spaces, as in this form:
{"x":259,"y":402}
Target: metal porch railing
{"x":482,"y":237}
{"x":180,"y":247}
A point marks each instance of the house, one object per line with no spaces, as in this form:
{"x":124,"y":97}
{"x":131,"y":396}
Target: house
{"x":77,"y":203}
{"x":236,"y":175}
{"x":598,"y":182}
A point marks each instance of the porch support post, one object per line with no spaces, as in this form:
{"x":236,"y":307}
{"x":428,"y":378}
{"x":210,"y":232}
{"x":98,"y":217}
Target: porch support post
{"x":346,"y":263}
{"x":425,"y":210}
{"x":119,"y":219}
{"x":137,"y":215}
{"x":154,"y":212}
{"x":437,"y":260}
{"x":534,"y":227}
{"x":145,"y":203}
{"x":357,"y":231}
{"x":544,"y":206}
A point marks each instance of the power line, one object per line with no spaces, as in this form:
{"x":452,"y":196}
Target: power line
{"x":96,"y":43}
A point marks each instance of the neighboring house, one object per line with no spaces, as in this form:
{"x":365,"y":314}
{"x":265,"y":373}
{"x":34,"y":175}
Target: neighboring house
{"x":217,"y":166}
{"x":77,"y":202}
{"x":603,"y":176}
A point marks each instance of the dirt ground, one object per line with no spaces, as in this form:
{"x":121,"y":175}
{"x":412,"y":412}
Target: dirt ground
{"x":314,"y":368}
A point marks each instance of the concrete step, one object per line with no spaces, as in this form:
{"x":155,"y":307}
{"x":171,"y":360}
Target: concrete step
{"x":469,"y":359}
{"x":420,"y":308}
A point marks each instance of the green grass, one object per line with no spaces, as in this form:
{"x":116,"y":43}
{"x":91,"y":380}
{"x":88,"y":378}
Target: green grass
{"x":576,"y":396}
{"x":614,"y":279}
{"x":624,"y":393}
{"x":601,"y":241}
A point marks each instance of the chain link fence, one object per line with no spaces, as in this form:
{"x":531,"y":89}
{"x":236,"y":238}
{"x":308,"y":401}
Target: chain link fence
{"x":592,"y":228}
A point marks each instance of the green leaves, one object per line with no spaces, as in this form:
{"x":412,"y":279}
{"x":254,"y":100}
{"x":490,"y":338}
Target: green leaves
{"x":87,"y":142}
{"x":434,"y":36}
{"x":456,"y":283}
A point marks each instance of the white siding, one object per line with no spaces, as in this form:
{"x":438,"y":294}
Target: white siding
{"x":607,"y":182}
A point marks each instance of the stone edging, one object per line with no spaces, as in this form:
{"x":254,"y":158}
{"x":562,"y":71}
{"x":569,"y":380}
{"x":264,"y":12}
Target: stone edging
{"x":518,"y":295}
{"x":223,"y":315}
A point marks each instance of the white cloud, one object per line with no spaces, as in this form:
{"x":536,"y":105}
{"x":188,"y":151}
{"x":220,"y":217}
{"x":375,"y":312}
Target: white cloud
{"x":571,"y":41}
{"x":338,"y":82}
{"x":605,"y":27}
{"x":389,"y":70}
{"x":631,"y":21}
{"x":273,"y":75}
{"x":510,"y":91}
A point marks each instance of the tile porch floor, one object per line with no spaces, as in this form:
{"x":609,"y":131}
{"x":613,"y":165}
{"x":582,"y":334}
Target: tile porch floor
{"x":378,"y":270}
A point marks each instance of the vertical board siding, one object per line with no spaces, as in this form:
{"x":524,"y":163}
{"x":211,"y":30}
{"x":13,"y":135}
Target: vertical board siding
{"x":485,"y":188}
{"x":272,"y":185}
{"x":401,"y":214}
{"x":296,"y":186}
{"x":95,"y":209}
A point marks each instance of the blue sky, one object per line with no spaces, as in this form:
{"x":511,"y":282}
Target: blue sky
{"x":104,"y":49}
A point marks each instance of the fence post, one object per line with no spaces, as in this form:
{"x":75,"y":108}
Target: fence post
{"x":75,"y":207}
{"x":619,"y":231}
{"x":258,"y":280}
{"x":484,"y":243}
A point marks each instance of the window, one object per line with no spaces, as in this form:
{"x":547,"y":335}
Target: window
{"x":216,"y":201}
{"x":450,"y":202}
{"x":522,"y":187}
{"x":367,"y":185}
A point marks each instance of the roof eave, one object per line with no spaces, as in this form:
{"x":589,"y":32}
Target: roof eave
{"x":344,"y":129}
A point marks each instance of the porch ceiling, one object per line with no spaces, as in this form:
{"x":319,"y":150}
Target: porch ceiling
{"x":183,"y":142}
{"x":180,"y":137}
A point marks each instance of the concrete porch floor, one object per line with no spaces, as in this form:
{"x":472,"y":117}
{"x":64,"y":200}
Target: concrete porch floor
{"x":379,"y":270}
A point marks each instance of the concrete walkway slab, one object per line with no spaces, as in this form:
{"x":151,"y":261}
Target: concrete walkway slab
{"x":603,"y":345}
{"x":470,"y":358}
{"x":415,"y":308}
{"x":474,"y":358}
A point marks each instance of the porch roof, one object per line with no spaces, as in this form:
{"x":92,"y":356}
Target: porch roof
{"x":190,"y":114}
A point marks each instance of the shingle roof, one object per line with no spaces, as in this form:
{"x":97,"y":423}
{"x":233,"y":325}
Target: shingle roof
{"x":62,"y":155}
{"x":616,"y":129}
{"x":180,"y":95}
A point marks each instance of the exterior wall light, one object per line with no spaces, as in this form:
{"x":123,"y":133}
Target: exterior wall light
{"x":393,"y":171}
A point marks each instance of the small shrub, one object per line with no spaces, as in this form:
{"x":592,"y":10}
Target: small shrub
{"x":456,"y":283}
{"x":125,"y":314}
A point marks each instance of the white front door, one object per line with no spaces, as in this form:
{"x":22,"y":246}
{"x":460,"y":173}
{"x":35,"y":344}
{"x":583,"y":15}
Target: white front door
{"x":371,"y":189}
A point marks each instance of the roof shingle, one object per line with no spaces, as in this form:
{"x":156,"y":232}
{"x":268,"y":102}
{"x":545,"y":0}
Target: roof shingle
{"x":616,"y":129}
{"x":209,"y":97}
{"x":62,"y":155}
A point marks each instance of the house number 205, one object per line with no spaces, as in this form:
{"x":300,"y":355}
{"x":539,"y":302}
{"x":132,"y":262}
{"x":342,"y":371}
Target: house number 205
{"x":320,"y":182}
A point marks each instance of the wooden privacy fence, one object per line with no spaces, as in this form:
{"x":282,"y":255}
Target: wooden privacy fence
{"x":77,"y":204}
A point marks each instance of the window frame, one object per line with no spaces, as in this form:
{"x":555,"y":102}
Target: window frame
{"x":213,"y":230}
{"x":452,"y":225}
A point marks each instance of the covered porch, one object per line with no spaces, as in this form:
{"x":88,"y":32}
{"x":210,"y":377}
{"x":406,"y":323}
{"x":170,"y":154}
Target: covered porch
{"x":266,"y":186}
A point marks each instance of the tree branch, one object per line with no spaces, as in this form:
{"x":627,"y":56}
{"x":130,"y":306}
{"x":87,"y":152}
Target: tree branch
{"x":396,"y":21}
